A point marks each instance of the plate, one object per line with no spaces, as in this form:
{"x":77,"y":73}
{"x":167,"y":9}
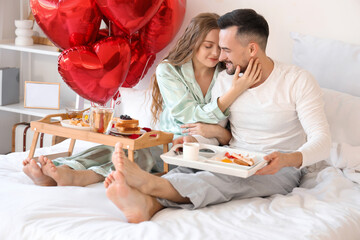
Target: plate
{"x":66,"y":123}
{"x":213,"y":162}
{"x":116,"y":132}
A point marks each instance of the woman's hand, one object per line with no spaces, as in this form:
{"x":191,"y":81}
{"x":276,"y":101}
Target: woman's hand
{"x":208,"y":131}
{"x":204,"y":129}
{"x":181,"y":140}
{"x":251,"y":76}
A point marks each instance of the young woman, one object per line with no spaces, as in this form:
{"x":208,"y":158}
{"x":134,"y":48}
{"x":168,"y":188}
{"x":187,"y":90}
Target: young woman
{"x":181,"y":95}
{"x":183,"y":82}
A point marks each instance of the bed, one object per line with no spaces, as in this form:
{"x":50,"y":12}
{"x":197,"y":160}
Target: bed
{"x":326,"y":205}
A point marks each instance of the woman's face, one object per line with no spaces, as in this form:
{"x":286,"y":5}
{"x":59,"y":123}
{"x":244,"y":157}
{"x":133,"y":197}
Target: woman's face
{"x":209,"y":50}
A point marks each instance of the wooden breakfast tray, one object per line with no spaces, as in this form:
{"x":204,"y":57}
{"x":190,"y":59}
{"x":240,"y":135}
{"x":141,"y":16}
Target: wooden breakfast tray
{"x":51,"y":126}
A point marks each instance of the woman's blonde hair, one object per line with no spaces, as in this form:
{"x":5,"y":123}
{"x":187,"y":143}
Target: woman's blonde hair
{"x":182,"y":52}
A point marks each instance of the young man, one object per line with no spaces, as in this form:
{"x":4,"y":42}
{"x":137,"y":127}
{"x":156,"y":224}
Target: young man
{"x":281,"y":115}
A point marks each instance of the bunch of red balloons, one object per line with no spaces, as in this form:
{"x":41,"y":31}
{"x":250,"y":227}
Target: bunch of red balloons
{"x":96,"y":62}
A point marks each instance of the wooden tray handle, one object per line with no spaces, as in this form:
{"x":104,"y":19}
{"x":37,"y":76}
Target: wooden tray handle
{"x":155,"y":136}
{"x":47,"y":119}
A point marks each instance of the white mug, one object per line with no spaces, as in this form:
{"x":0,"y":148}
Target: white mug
{"x":191,"y":151}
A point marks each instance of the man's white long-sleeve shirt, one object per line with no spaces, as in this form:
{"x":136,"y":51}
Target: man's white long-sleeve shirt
{"x":285,"y":113}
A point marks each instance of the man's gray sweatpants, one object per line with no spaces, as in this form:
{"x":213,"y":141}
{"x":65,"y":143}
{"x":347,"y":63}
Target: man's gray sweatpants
{"x":205,"y":188}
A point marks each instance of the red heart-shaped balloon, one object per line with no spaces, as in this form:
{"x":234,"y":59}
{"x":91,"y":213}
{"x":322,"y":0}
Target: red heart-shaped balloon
{"x":131,"y":15}
{"x":163,"y":27}
{"x":141,"y":61}
{"x":67,"y":23}
{"x":96,"y":72}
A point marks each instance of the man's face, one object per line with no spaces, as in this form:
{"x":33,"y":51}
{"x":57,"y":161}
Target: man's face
{"x":233,"y":52}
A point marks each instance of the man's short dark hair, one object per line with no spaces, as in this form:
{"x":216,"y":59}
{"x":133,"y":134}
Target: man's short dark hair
{"x":249,"y":23}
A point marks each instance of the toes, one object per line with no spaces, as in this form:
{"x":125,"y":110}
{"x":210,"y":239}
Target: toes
{"x":41,"y":160}
{"x":33,"y":162}
{"x":122,"y":155}
{"x":118,"y":147}
{"x":26,"y":161}
{"x":107,"y":182}
{"x":111,"y":177}
{"x":48,"y":161}
{"x":53,"y":168}
{"x":34,"y":165}
{"x":118,"y":176}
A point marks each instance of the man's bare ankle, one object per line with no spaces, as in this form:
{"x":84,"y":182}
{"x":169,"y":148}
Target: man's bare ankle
{"x":150,"y":184}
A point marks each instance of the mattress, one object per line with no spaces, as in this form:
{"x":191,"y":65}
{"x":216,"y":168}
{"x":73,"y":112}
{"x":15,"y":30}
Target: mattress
{"x":325,"y":206}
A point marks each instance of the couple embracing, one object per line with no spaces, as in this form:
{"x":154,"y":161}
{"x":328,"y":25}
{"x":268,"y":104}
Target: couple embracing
{"x":218,"y":73}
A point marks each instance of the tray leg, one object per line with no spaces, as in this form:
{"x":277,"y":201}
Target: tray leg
{"x":33,"y":144}
{"x":166,"y":166}
{"x":131,"y":155}
{"x":71,"y":146}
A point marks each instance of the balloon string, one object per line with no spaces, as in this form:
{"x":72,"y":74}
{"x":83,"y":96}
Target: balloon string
{"x":143,"y":72}
{"x":110,"y":28}
{"x":116,"y":99}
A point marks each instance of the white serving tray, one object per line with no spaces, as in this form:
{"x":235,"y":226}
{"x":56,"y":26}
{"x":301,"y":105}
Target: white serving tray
{"x":212,"y":161}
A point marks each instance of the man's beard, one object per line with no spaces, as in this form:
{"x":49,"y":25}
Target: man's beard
{"x":232,"y":70}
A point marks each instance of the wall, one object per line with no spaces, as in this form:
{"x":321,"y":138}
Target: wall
{"x":8,"y":13}
{"x":335,"y":19}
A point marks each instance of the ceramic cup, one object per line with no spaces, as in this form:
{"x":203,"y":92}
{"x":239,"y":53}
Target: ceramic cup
{"x":191,"y":151}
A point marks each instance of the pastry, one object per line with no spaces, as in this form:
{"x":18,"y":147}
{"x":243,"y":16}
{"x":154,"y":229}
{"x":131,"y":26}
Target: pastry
{"x":126,"y":124}
{"x":78,"y":122}
{"x":238,"y":159}
{"x":135,"y":130}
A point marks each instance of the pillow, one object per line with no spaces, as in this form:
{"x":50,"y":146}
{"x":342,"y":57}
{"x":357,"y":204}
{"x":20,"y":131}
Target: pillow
{"x":343,"y":155}
{"x":343,"y":114}
{"x":334,"y":64}
{"x":347,"y":158}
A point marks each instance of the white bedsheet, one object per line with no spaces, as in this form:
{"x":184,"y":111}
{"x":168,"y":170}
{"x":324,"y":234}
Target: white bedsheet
{"x":326,"y":206}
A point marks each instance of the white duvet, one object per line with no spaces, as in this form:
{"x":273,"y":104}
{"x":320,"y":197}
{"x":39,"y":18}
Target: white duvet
{"x":326,"y":206}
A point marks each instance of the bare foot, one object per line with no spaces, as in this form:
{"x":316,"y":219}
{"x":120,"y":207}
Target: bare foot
{"x":136,"y":206}
{"x":63,"y":175}
{"x":33,"y":171}
{"x":134,"y":175}
{"x":109,"y":179}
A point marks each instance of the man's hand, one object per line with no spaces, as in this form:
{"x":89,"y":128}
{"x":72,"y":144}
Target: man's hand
{"x":277,"y":161}
{"x":181,"y":140}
